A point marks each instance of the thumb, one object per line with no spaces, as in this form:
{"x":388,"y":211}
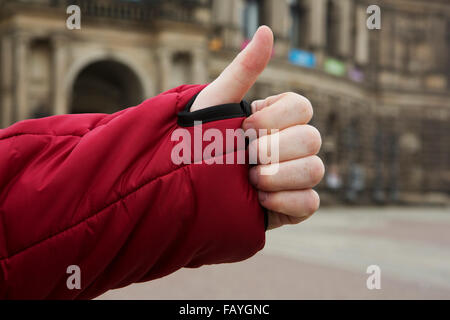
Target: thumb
{"x":234,"y":82}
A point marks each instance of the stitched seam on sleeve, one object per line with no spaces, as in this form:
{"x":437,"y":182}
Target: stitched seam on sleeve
{"x":42,"y":134}
{"x":91,"y":216}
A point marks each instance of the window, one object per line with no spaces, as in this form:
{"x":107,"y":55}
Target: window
{"x":332,"y":36}
{"x":300,"y":23}
{"x":252,"y":17}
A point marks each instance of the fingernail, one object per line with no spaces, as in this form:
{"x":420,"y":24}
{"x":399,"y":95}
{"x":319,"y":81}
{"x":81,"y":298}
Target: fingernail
{"x":262,"y":196}
{"x":253,"y":177}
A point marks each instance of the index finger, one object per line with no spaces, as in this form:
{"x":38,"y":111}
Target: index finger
{"x":289,"y":109}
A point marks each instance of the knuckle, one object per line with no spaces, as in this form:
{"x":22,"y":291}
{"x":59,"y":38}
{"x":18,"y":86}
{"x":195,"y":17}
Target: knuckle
{"x":292,"y":95}
{"x":253,"y":150}
{"x":317,"y":169}
{"x":313,"y":202}
{"x":274,"y":202}
{"x":305,"y":107}
{"x":309,"y":111}
{"x":262,"y":149}
{"x":314,"y":139}
{"x":259,"y":119}
{"x":270,"y":100}
{"x":265,"y":182}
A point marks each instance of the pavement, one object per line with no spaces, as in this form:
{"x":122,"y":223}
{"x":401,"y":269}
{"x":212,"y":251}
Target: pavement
{"x":326,"y":257}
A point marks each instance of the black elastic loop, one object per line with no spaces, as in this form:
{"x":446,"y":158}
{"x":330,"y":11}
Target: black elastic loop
{"x":186,"y":118}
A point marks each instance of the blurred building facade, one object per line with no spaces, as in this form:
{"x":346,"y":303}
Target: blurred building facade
{"x":381,"y":97}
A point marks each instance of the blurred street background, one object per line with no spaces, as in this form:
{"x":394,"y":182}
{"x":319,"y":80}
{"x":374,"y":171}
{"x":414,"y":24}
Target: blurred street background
{"x":381,"y":101}
{"x":326,"y":257}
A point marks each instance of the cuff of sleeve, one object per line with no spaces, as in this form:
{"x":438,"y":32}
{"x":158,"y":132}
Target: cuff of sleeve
{"x":186,"y":118}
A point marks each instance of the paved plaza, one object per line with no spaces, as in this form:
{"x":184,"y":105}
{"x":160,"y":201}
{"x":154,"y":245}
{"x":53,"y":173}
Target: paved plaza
{"x":326,"y":257}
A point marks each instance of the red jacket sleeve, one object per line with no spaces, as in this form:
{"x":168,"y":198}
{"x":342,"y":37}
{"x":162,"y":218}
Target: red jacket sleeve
{"x":101,"y":192}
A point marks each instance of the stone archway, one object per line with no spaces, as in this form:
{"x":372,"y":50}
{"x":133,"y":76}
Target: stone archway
{"x":105,"y":86}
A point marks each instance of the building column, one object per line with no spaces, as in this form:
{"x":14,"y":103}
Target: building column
{"x":362,"y":37}
{"x":59,"y":94}
{"x":318,"y":28}
{"x":279,"y":19}
{"x":318,"y":23}
{"x":164,"y":57}
{"x":221,"y":12}
{"x":6,"y":94}
{"x":199,"y":69}
{"x":21,"y":45}
{"x":231,"y":23}
{"x":346,"y":23}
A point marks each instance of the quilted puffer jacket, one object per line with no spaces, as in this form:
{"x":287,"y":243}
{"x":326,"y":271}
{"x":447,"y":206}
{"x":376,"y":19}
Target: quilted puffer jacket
{"x":100,"y":191}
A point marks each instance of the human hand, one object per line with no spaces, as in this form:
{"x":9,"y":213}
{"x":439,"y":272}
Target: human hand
{"x":287,"y":194}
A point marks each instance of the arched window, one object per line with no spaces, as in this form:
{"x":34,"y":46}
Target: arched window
{"x":252,"y":17}
{"x":105,"y":87}
{"x":332,"y":28}
{"x":300,"y":23}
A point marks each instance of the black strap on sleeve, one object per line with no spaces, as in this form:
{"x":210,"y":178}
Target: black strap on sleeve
{"x":214,"y":113}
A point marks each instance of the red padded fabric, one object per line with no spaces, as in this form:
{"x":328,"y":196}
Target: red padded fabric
{"x":101,"y":192}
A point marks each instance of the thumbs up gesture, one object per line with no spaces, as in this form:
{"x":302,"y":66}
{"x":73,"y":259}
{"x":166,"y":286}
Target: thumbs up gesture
{"x":288,"y":193}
